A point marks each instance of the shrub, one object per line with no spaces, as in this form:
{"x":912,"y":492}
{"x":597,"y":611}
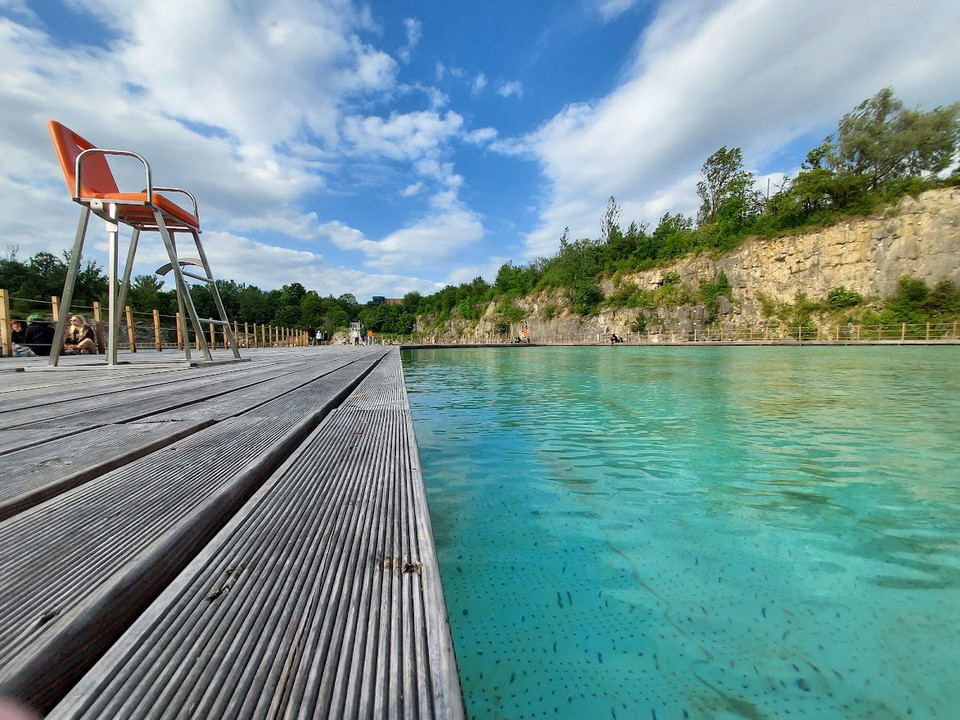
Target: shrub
{"x":840,"y":297}
{"x":585,"y":297}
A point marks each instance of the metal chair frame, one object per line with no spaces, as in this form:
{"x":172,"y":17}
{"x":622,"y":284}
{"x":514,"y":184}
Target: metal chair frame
{"x":146,"y":211}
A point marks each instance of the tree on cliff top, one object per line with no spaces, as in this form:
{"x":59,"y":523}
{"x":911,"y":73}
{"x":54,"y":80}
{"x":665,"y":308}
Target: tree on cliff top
{"x":882,"y":141}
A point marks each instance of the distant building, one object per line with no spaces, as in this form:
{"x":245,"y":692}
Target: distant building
{"x":381,"y":300}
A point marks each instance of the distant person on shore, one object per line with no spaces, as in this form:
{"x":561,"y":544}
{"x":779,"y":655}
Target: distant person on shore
{"x":78,"y":339}
{"x":39,"y":335}
{"x":614,"y":338}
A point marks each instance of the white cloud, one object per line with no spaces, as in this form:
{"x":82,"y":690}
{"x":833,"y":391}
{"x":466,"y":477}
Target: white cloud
{"x":401,"y":136}
{"x":755,"y":74}
{"x":507,"y":89}
{"x":481,"y":136}
{"x":479,"y":83}
{"x":414,"y":31}
{"x":411,"y":190}
{"x":425,"y":242}
{"x":612,"y":9}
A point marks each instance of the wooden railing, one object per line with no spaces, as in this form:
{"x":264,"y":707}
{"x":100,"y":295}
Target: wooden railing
{"x":152,"y":330}
{"x":946,"y":333}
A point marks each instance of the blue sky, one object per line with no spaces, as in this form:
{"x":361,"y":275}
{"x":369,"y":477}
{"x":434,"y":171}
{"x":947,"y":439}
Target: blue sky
{"x":383,"y":147}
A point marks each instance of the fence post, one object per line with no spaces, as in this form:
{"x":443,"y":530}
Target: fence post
{"x":130,"y":335}
{"x":98,"y":324}
{"x":838,"y":332}
{"x":246,"y":334}
{"x":180,"y":337}
{"x":928,"y":332}
{"x":879,"y":331}
{"x":55,"y":304}
{"x":263,"y":335}
{"x":213,"y":337}
{"x":156,"y":330}
{"x":903,"y":332}
{"x":800,"y":333}
{"x":6,"y":336}
{"x":226,"y":342}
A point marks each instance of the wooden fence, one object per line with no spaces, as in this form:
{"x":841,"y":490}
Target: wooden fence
{"x":946,"y":333}
{"x":153,"y":330}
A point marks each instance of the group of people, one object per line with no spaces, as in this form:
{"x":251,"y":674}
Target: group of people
{"x":35,"y":336}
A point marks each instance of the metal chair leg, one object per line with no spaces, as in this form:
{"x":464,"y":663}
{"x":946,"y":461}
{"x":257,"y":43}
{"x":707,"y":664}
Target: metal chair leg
{"x":66,"y":298}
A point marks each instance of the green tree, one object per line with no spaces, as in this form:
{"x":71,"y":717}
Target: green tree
{"x":882,"y":141}
{"x":146,"y":294}
{"x":724,"y":180}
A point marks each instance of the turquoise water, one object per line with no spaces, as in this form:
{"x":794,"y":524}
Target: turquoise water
{"x":664,"y":533}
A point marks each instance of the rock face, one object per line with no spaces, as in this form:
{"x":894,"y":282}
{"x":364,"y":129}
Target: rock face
{"x":920,"y":238}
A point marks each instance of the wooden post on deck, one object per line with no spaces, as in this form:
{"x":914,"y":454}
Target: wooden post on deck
{"x":903,"y":331}
{"x":156,"y":330}
{"x":131,"y":337}
{"x":6,"y":336}
{"x":55,"y":304}
{"x":180,"y":337}
{"x":213,"y":337}
{"x":98,"y":328}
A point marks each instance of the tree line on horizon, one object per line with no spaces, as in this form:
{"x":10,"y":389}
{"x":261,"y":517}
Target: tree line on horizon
{"x":880,"y":152}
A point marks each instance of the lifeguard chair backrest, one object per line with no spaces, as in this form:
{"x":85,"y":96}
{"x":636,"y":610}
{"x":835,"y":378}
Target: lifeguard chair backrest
{"x":97,"y":177}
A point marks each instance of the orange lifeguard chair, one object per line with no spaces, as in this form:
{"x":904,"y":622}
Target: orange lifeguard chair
{"x":92,"y":185}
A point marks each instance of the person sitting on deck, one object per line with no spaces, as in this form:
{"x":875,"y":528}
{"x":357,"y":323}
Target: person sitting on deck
{"x":39,"y":335}
{"x":79,"y":338}
{"x":615,"y":339}
{"x":17,"y":328}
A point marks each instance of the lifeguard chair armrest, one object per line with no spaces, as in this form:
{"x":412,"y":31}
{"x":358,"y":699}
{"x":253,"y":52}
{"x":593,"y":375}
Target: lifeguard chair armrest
{"x":180,"y":190}
{"x":78,"y":184}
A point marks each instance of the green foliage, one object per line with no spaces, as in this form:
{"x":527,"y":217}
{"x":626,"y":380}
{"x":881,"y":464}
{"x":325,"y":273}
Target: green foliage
{"x":915,"y":302}
{"x":585,"y":298}
{"x":549,"y":312}
{"x":42,"y":276}
{"x":510,"y":312}
{"x":727,"y":195}
{"x":639,"y":324}
{"x":840,"y":297}
{"x":710,"y":291}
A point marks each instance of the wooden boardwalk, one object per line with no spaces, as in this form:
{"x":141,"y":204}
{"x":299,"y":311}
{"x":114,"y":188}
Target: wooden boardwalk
{"x":238,"y":540}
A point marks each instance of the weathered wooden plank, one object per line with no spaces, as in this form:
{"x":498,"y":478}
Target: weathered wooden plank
{"x":135,"y":403}
{"x":80,"y":567}
{"x":320,"y":598}
{"x":34,"y":474}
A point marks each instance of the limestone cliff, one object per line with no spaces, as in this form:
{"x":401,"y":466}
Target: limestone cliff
{"x":920,"y":237}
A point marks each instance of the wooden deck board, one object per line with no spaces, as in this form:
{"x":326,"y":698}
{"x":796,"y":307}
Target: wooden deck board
{"x":321,"y":596}
{"x":77,"y":569}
